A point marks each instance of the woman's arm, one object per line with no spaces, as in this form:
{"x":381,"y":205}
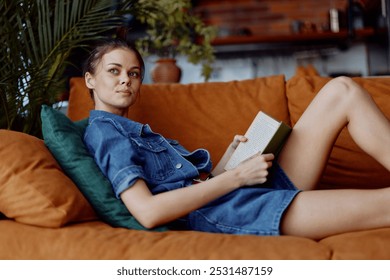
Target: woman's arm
{"x":219,"y":168}
{"x":154,"y":210}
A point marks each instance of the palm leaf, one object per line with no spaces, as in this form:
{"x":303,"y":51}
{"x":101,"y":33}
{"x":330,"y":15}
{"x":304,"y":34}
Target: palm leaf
{"x":37,"y":37}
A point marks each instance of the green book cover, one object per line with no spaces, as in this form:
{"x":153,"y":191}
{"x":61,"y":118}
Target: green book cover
{"x":265,"y":135}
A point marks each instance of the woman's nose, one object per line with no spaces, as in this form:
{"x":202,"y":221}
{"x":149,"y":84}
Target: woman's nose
{"x":125,"y":79}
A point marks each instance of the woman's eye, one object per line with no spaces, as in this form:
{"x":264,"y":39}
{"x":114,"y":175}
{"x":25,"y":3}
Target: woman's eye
{"x":134,"y":74}
{"x":114,"y":71}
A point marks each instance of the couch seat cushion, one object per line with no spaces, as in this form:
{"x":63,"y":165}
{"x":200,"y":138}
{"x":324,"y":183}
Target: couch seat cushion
{"x":96,"y":240}
{"x":361,"y":245}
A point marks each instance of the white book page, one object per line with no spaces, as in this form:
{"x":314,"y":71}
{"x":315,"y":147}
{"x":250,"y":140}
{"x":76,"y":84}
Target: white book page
{"x":259,"y":135}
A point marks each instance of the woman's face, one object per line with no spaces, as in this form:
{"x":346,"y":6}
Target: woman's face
{"x":116,"y":82}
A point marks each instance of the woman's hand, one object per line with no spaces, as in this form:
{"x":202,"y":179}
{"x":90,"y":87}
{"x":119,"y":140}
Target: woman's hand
{"x":237,"y":140}
{"x":219,"y":168}
{"x":255,"y":169}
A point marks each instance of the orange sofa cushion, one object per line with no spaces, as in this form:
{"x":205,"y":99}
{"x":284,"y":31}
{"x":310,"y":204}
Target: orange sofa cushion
{"x":99,"y":241}
{"x":349,"y":166}
{"x":360,"y":245}
{"x":206,"y":115}
{"x":33,"y":188}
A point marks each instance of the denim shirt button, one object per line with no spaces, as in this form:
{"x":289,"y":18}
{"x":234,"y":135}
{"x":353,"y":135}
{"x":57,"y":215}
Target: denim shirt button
{"x":179,"y":165}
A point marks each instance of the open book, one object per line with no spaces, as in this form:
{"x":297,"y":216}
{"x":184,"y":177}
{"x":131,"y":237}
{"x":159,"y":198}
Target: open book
{"x":265,"y":135}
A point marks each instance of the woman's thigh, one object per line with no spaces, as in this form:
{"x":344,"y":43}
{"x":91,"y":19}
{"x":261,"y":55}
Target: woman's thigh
{"x":307,"y":150}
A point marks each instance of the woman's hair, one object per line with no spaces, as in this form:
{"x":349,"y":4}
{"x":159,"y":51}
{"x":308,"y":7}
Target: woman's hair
{"x":106,"y":46}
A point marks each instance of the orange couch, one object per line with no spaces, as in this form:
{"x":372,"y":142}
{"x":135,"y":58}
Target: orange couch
{"x":46,"y":217}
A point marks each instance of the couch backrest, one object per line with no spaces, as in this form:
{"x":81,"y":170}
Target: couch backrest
{"x":204,"y":115}
{"x":208,"y":115}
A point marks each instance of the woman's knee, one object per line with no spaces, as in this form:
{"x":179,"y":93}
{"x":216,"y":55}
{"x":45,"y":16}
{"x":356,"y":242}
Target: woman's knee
{"x":342,"y":84}
{"x":345,"y":90}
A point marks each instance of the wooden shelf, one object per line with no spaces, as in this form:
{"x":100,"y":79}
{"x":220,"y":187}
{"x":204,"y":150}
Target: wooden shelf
{"x":291,"y":38}
{"x":231,"y":46}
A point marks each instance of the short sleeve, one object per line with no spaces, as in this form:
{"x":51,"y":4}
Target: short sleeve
{"x":114,"y":153}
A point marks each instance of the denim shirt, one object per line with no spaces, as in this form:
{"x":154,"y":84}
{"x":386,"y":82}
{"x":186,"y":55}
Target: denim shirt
{"x":126,"y":151}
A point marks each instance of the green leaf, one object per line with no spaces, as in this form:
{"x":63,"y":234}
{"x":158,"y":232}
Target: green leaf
{"x":36,"y":39}
{"x":173,"y":29}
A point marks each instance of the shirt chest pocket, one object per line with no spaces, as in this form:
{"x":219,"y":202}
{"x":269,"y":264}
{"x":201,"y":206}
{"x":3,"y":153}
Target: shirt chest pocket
{"x":158,"y":163}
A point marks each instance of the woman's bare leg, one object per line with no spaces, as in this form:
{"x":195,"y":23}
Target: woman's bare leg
{"x":320,"y":213}
{"x":340,"y":103}
{"x":317,"y":214}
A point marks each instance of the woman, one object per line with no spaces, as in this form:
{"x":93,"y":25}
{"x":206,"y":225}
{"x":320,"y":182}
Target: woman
{"x":155,"y":177}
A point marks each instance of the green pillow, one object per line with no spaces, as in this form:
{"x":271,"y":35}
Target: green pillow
{"x":64,"y":139}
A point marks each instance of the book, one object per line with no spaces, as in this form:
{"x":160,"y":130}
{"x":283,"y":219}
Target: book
{"x":265,"y":135}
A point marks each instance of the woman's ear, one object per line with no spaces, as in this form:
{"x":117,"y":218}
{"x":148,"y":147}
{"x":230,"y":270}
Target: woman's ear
{"x":89,"y":81}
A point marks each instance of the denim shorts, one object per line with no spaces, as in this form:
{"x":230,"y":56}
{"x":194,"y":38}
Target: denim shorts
{"x":255,"y":210}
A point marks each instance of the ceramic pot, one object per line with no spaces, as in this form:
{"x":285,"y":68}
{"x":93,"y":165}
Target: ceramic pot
{"x":166,"y":71}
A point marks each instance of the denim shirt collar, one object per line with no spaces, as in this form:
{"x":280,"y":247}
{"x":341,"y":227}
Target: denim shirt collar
{"x":132,"y":126}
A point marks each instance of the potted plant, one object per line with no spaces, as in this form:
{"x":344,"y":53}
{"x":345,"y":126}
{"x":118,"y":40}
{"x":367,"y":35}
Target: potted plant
{"x":37,"y":38}
{"x":173,"y":29}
